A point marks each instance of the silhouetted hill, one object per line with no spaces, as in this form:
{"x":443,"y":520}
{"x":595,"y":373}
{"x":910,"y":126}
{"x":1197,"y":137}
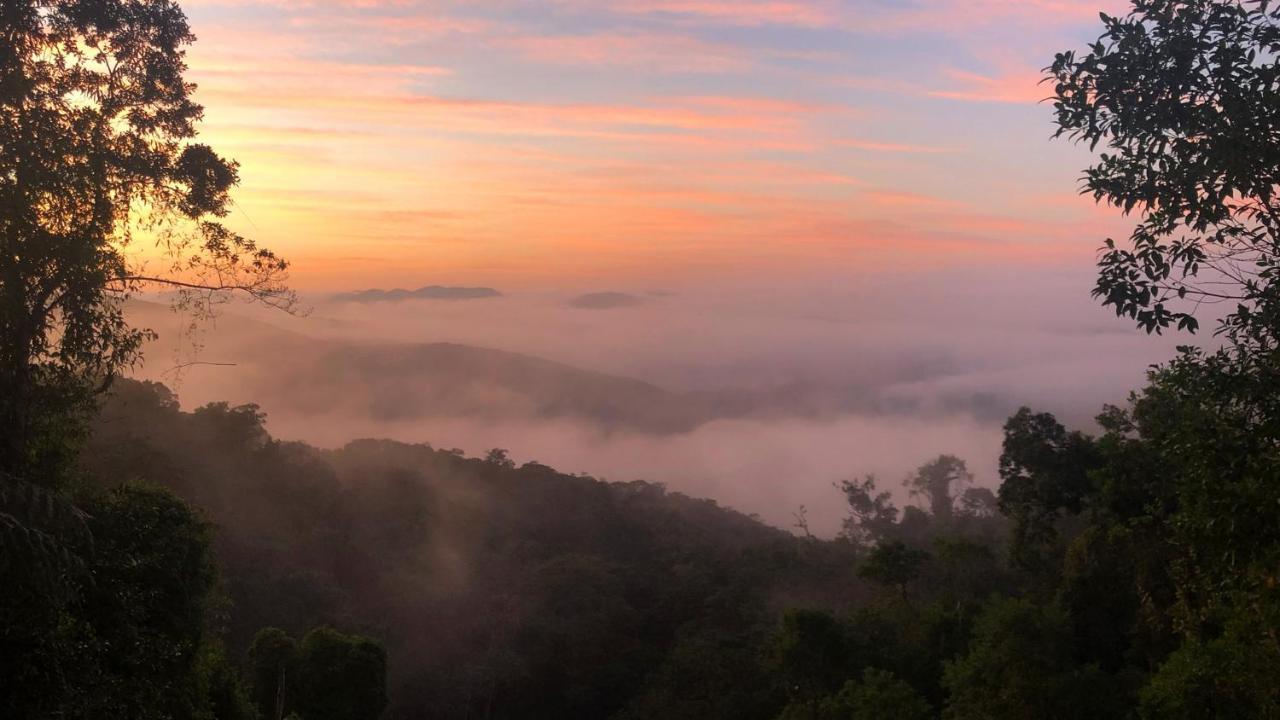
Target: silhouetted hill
{"x":329,"y":380}
{"x":429,"y":292}
{"x":284,"y":371}
{"x":402,"y":382}
{"x":604,"y":300}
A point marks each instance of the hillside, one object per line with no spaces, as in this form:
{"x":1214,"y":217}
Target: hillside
{"x":520,"y":590}
{"x":290,"y":373}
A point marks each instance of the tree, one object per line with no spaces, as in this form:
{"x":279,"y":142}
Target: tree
{"x":1212,"y":423}
{"x":228,"y":697}
{"x":872,"y":515}
{"x":811,"y":656}
{"x":270,"y":668}
{"x":97,"y":154}
{"x":937,"y":481}
{"x":499,"y":457}
{"x":154,"y":587}
{"x":978,"y":503}
{"x":341,"y":677}
{"x":893,"y":564}
{"x":1182,"y":94}
{"x":1229,"y":678}
{"x":1045,"y":472}
{"x":878,"y":694}
{"x":1020,"y":665}
{"x":126,"y":632}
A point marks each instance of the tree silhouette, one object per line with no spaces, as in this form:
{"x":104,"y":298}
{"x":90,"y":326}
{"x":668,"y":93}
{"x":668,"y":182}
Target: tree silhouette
{"x":937,"y":482}
{"x":341,"y":677}
{"x":97,"y":156}
{"x":1182,"y":94}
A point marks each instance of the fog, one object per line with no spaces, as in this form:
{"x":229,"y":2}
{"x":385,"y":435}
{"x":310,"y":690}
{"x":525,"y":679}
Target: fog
{"x":758,"y":395}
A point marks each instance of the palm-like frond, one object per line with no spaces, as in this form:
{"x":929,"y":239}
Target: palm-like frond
{"x":42,"y":534}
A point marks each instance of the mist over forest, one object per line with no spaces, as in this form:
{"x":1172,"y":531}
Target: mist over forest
{"x":758,"y":398}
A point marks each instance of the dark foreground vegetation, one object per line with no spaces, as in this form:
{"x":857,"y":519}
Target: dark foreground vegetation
{"x":164,"y":564}
{"x":502,"y":591}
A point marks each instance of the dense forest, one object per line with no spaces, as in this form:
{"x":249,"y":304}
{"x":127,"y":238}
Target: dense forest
{"x":159,"y":563}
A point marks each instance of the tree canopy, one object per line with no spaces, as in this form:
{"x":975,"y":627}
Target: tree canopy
{"x":1182,"y":96}
{"x":97,"y":156}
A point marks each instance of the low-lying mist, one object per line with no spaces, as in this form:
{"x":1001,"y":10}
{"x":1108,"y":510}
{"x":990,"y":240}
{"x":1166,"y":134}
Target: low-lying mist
{"x":758,"y":396}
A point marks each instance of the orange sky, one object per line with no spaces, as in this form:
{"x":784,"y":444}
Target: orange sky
{"x":404,"y":142}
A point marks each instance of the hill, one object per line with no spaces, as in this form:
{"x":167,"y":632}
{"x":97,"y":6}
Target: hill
{"x":291,"y":373}
{"x":428,"y":292}
{"x":512,"y":591}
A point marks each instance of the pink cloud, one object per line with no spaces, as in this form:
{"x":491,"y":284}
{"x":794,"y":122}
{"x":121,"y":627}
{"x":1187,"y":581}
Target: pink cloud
{"x":667,"y":53}
{"x":958,"y":16}
{"x":742,"y":12}
{"x":891,"y":147}
{"x":1018,"y":86}
{"x":914,"y":200}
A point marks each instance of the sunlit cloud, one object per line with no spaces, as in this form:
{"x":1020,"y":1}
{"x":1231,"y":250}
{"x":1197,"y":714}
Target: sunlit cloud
{"x":893,"y":147}
{"x":663,"y":53}
{"x":742,"y":12}
{"x":1010,"y":87}
{"x":638,"y":136}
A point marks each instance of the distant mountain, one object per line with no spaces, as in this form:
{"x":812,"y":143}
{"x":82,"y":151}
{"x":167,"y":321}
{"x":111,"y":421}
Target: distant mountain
{"x":299,"y":376}
{"x":429,"y":292}
{"x":287,"y":372}
{"x":388,"y":382}
{"x":604,"y":300}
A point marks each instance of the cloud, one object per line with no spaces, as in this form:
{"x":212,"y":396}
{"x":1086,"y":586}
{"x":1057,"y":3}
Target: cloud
{"x":667,"y":53}
{"x":916,"y":201}
{"x":891,"y":147}
{"x":742,"y":12}
{"x":1016,"y":86}
{"x":641,"y":137}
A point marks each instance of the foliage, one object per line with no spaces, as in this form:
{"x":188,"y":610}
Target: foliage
{"x":893,"y":564}
{"x":1021,"y":665}
{"x":516,"y":592}
{"x":129,"y":632}
{"x":271,"y":667}
{"x":1182,"y":95}
{"x":97,"y":128}
{"x":1229,"y":677}
{"x":1045,"y":473}
{"x":878,"y":694}
{"x":42,"y":534}
{"x":340,"y":677}
{"x":937,"y":481}
{"x":871,"y":512}
{"x":154,"y":583}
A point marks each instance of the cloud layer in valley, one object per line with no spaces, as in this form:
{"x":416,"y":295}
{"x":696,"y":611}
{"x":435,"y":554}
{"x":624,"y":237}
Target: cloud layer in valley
{"x":759,"y":397}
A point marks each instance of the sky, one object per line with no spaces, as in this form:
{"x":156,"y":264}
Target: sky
{"x":645,"y":143}
{"x":834,"y":208}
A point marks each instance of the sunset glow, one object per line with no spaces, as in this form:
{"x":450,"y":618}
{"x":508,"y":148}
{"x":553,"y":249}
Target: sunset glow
{"x":396,"y":142}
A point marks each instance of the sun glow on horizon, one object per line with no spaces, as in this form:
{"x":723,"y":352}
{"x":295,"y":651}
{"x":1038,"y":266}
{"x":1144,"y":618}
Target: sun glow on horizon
{"x":400,"y":141}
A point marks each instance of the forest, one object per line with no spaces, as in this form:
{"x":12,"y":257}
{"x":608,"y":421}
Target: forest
{"x":162,"y":563}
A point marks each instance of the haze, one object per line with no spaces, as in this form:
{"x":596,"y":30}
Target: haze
{"x":829,"y":238}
